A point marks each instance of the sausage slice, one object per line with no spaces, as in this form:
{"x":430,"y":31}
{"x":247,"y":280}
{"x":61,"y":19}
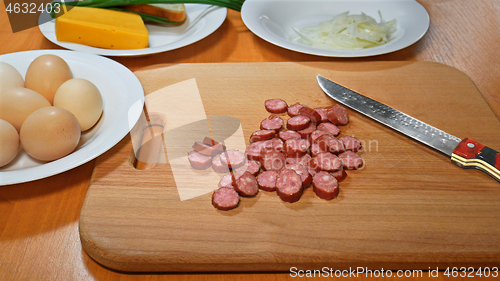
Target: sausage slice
{"x":330,"y":143}
{"x":226,"y":181}
{"x":262,"y":135}
{"x":289,"y":185}
{"x":285,"y":135}
{"x":325,"y":161}
{"x":293,"y":110}
{"x":351,"y":143}
{"x":329,"y":127}
{"x":306,"y":133}
{"x":272,"y":160}
{"x":276,"y":106}
{"x":298,"y":123}
{"x":253,"y":167}
{"x":246,"y":185}
{"x":351,"y":160}
{"x":325,"y":185}
{"x":273,"y":122}
{"x":225,"y":199}
{"x":296,"y":147}
{"x":337,"y":115}
{"x":217,"y":165}
{"x":232,"y":158}
{"x":199,"y":161}
{"x":305,"y":177}
{"x":311,"y":113}
{"x":340,"y":174}
{"x":322,"y":112}
{"x":318,"y":133}
{"x":267,"y":180}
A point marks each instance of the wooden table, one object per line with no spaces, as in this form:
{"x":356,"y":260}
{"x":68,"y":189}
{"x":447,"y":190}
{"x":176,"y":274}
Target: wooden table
{"x":39,"y":220}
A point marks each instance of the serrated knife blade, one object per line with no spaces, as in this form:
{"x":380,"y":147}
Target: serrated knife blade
{"x":464,"y":153}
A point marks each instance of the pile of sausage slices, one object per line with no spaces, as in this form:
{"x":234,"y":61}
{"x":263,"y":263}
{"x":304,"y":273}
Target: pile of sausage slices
{"x":307,"y":151}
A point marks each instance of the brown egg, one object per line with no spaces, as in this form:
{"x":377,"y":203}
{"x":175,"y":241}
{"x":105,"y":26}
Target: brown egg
{"x":82,"y":98}
{"x":50,"y":133}
{"x":9,"y":76}
{"x":17,"y":103}
{"x":45,"y":74}
{"x":9,"y":143}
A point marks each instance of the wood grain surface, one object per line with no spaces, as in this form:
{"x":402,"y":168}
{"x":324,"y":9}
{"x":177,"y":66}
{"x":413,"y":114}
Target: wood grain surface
{"x":408,"y":208}
{"x":39,"y":237}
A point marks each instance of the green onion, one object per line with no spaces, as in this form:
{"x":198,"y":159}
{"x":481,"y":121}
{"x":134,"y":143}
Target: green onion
{"x":231,"y":4}
{"x":152,"y":18}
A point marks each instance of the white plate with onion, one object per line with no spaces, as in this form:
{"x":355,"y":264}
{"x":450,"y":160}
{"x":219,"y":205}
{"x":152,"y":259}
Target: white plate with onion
{"x":123,"y":100}
{"x":201,"y":21}
{"x":296,"y":25}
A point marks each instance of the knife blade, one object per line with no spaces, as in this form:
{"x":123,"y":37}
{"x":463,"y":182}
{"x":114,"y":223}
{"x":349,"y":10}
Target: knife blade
{"x":465,"y":153}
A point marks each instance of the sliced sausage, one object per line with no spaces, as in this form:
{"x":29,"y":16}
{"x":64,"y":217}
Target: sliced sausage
{"x":225,"y":199}
{"x":218,"y":166}
{"x":289,"y":185}
{"x":285,"y":135}
{"x":306,"y":133}
{"x":238,"y":172}
{"x":297,"y":123}
{"x":272,"y":160}
{"x":233,"y":158}
{"x":296,"y":147}
{"x":313,"y":115}
{"x":330,"y":143}
{"x":325,"y":185}
{"x":304,"y":160}
{"x":329,"y":127}
{"x":351,"y":143}
{"x":316,"y":149}
{"x":318,"y":133}
{"x":305,"y":177}
{"x":273,"y":122}
{"x":293,"y":110}
{"x":351,"y":160}
{"x":253,"y":167}
{"x":337,"y":115}
{"x":262,"y":135}
{"x":246,"y":185}
{"x":204,"y":148}
{"x":199,"y":161}
{"x":340,"y":174}
{"x":311,"y":171}
{"x":254,"y":150}
{"x":326,"y":161}
{"x":209,"y":141}
{"x":267,"y":180}
{"x":226,"y":181}
{"x":277,"y":144}
{"x":276,"y":106}
{"x":217,"y":146}
{"x":322,"y":113}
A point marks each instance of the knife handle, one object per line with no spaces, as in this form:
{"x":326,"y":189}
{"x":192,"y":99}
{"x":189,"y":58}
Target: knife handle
{"x":471,"y":154}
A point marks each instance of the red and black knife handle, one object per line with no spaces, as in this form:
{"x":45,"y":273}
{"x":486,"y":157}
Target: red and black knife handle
{"x":471,"y":154}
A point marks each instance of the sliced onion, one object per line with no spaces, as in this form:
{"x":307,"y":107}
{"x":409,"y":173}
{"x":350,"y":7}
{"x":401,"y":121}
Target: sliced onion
{"x":346,"y":32}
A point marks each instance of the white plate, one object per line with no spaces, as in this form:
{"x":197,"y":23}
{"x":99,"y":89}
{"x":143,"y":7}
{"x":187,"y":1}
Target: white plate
{"x":272,"y":20}
{"x":123,"y":100}
{"x":202,"y":20}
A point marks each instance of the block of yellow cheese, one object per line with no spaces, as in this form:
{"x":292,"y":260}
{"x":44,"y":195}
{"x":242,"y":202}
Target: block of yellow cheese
{"x":102,"y":28}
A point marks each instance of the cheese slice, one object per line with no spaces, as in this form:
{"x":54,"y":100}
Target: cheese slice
{"x":102,"y":28}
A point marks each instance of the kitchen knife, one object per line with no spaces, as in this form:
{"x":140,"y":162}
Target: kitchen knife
{"x":464,"y":153}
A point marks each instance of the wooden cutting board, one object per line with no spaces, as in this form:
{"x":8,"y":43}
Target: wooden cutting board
{"x":408,"y":208}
